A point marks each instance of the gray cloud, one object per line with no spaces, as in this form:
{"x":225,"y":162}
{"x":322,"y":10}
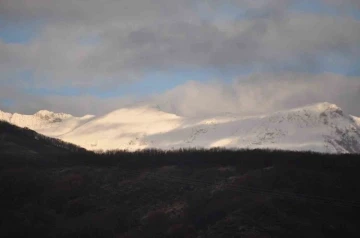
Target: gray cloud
{"x":135,"y":36}
{"x":131,"y":37}
{"x":302,"y":42}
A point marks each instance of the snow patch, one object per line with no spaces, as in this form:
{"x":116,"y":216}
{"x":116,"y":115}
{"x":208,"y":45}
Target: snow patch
{"x":356,"y":120}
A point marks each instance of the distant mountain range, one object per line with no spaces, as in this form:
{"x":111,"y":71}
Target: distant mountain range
{"x":321,"y":127}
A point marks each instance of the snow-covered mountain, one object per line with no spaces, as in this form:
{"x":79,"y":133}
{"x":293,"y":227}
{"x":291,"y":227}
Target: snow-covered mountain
{"x":321,"y":127}
{"x":46,"y":122}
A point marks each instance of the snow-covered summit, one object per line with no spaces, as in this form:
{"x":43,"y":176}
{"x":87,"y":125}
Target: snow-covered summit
{"x":48,"y":115}
{"x":356,"y":120}
{"x":322,"y":107}
{"x":44,"y":113}
{"x":316,"y":109}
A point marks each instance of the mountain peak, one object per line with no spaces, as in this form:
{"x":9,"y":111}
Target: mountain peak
{"x":326,"y":106}
{"x":319,"y":108}
{"x":45,"y":114}
{"x":138,"y":114}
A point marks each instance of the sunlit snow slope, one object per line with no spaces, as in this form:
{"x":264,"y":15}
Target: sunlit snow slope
{"x":46,"y":122}
{"x":321,"y":127}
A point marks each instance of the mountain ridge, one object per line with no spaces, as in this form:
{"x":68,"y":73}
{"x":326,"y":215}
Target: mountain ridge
{"x":320,"y":127}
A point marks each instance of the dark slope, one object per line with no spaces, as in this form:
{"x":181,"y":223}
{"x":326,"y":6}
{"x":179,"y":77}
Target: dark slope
{"x":186,"y":193}
{"x":27,"y":145}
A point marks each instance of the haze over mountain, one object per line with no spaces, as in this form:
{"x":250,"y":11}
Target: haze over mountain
{"x":321,"y":127}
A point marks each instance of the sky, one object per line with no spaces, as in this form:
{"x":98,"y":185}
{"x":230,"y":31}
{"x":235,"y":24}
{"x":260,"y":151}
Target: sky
{"x":190,"y":57}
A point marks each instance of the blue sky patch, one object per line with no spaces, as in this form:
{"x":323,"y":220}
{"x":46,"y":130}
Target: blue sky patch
{"x":89,"y":40}
{"x":21,"y":32}
{"x":7,"y":102}
{"x":318,"y":7}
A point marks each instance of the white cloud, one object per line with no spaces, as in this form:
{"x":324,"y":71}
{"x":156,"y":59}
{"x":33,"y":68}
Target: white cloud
{"x":261,"y":93}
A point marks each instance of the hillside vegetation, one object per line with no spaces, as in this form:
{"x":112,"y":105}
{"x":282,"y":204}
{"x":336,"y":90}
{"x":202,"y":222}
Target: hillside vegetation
{"x":49,"y":188}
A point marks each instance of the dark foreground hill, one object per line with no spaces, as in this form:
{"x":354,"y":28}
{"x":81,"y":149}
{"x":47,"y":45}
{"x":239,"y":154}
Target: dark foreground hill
{"x":22,"y":144}
{"x":52,"y":189}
